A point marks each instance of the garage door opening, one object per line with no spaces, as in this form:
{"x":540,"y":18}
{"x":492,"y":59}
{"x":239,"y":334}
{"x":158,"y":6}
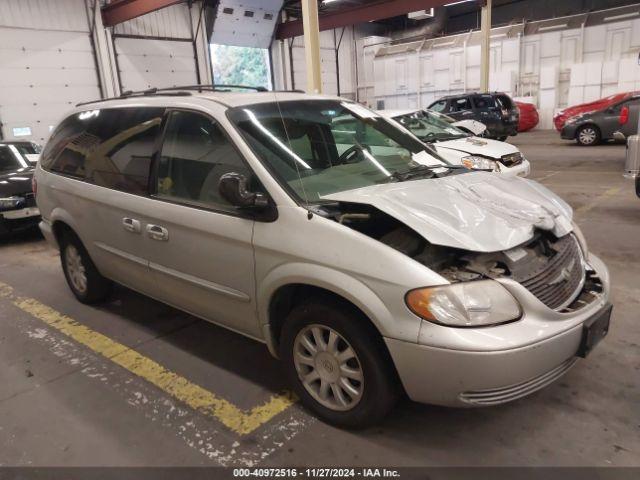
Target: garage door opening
{"x":240,"y":66}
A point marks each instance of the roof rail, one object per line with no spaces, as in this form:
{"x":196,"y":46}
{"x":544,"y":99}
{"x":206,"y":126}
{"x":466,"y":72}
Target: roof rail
{"x":214,"y":87}
{"x":182,"y":91}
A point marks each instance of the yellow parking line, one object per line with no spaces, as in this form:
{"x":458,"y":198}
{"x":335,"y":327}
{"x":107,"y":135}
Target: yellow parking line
{"x":234,"y":418}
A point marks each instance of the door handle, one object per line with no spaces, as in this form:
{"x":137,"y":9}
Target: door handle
{"x":131,"y":225}
{"x":156,"y":232}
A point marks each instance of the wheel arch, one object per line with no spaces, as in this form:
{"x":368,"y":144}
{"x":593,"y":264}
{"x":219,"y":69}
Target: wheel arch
{"x":289,"y":285}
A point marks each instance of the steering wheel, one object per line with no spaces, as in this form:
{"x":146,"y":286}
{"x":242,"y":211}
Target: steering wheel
{"x":353,"y":154}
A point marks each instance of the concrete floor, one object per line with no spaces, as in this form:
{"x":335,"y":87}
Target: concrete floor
{"x":63,"y":404}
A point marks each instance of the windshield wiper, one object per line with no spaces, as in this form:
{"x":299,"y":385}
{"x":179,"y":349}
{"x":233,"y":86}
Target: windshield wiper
{"x":420,"y":170}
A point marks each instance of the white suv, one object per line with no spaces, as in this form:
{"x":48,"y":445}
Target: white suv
{"x":364,"y":261}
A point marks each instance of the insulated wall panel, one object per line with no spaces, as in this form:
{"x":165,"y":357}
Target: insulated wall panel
{"x":146,"y":64}
{"x":43,"y":74}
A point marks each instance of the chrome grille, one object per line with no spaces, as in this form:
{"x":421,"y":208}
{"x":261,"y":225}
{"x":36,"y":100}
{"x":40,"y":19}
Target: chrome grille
{"x":512,"y":159}
{"x":560,"y":281}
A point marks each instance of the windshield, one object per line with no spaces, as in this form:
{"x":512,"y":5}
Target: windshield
{"x":29,"y":151}
{"x":10,"y":158}
{"x":430,"y":127}
{"x":321,"y":147}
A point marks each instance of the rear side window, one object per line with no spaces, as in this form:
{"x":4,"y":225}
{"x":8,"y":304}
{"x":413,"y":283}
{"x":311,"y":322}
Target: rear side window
{"x":195,"y":155}
{"x":484,"y":102}
{"x":111,"y":148}
{"x":460,"y":104}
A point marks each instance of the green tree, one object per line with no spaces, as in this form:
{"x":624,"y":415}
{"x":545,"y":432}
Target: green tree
{"x":240,"y":65}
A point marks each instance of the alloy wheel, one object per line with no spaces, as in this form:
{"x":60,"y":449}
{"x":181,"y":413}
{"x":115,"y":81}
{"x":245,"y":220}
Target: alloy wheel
{"x":328,"y":367}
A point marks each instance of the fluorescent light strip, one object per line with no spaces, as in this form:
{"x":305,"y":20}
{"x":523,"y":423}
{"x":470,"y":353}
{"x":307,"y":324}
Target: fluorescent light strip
{"x":553,"y":27}
{"x":621,"y":16}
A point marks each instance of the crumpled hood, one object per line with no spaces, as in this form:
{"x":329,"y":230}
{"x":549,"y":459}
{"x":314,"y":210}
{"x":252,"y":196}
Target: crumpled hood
{"x":479,"y":146}
{"x":477,"y":211}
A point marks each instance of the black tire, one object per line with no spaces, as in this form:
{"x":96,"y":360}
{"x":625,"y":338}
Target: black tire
{"x":97,"y":287}
{"x":380,"y":387}
{"x":588,"y":136}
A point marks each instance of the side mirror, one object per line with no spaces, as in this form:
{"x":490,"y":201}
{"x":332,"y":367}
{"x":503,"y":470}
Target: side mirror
{"x":233,"y":188}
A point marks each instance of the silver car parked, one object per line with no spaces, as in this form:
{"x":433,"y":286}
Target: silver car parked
{"x":362,"y":259}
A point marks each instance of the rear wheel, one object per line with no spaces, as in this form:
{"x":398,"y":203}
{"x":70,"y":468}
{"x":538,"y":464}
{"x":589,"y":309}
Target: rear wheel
{"x":588,"y":135}
{"x":338,"y":364}
{"x":82,"y":276}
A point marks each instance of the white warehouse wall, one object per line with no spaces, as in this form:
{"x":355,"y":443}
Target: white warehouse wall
{"x":46,"y":64}
{"x":553,"y":68}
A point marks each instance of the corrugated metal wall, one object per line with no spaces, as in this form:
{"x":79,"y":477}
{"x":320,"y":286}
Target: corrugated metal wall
{"x":46,"y":64}
{"x":64,"y":15}
{"x":170,"y":22}
{"x":328,"y":65}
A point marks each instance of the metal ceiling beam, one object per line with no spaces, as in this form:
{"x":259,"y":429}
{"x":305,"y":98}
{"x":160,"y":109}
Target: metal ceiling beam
{"x":368,"y":12}
{"x":119,"y":11}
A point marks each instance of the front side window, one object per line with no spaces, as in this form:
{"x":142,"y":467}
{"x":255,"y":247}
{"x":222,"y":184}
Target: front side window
{"x":195,"y":155}
{"x":322,"y":147}
{"x":485,"y":102}
{"x":111,"y":148}
{"x":438,"y":106}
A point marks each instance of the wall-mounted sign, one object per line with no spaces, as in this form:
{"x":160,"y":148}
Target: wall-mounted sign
{"x":21,"y":131}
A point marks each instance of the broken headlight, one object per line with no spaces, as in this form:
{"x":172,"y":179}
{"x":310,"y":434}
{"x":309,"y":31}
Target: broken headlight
{"x":477,"y":162}
{"x":466,"y":304}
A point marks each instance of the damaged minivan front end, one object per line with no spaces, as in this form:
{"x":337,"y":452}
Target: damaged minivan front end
{"x":480,"y":285}
{"x":521,"y":297}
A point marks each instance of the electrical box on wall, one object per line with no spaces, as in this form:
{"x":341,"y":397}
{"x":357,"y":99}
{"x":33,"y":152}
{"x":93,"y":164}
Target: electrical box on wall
{"x":246,"y":23}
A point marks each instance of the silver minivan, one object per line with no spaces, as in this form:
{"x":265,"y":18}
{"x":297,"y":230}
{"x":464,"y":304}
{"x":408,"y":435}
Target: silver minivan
{"x":369,"y":265}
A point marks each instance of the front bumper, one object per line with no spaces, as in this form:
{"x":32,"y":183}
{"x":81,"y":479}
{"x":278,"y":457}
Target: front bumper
{"x":494,"y":365}
{"x":18,"y":220}
{"x":568,"y":132}
{"x":521,"y":170}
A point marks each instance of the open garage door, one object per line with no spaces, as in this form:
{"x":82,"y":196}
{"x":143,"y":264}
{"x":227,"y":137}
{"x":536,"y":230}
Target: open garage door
{"x":45,"y":68}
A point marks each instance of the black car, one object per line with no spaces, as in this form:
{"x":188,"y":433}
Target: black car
{"x":497,"y":111}
{"x":18,"y":210}
{"x":617,"y":121}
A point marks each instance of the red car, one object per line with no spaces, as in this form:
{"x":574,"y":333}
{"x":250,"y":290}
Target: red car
{"x":561,"y":117}
{"x":529,"y":117}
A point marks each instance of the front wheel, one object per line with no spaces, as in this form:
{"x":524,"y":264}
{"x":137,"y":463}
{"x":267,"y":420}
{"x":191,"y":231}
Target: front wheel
{"x":588,"y":135}
{"x":338,"y":364}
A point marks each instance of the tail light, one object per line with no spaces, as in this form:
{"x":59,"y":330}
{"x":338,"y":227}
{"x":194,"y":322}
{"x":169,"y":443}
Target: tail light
{"x":624,"y":115}
{"x":34,"y":185}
